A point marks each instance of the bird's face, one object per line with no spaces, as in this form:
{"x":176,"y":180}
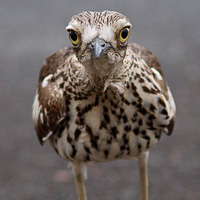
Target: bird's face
{"x":99,"y":38}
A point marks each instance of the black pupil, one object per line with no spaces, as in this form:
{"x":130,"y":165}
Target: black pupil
{"x":125,"y":33}
{"x":73,"y":35}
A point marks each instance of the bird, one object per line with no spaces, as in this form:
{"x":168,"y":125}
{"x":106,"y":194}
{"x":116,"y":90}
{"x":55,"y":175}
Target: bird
{"x":102,"y":99}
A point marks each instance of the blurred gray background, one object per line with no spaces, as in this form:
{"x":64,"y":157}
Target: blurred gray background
{"x":30,"y":30}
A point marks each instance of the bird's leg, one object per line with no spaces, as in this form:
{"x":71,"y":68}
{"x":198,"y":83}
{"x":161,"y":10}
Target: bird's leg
{"x":142,"y":163}
{"x":80,"y":187}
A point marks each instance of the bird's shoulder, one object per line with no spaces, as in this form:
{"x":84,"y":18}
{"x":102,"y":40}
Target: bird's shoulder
{"x":55,"y":61}
{"x":152,"y":64}
{"x":49,"y":106}
{"x":152,"y":85}
{"x":147,"y":56}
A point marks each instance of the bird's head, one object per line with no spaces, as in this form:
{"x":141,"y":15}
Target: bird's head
{"x":99,"y":39}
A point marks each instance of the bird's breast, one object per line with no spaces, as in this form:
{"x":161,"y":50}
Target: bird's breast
{"x":103,"y":127}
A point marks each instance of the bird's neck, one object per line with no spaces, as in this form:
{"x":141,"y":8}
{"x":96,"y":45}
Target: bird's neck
{"x":102,"y":74}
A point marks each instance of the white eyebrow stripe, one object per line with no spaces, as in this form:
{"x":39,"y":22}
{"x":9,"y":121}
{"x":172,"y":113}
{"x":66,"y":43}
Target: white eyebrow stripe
{"x":89,"y":34}
{"x":72,"y":25}
{"x":107,"y":33}
{"x":69,"y":27}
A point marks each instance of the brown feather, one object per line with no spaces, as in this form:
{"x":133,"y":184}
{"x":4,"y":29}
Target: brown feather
{"x":49,"y":98}
{"x":152,"y":62}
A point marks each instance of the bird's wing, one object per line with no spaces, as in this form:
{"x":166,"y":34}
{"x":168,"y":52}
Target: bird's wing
{"x":152,"y":62}
{"x":49,"y":106}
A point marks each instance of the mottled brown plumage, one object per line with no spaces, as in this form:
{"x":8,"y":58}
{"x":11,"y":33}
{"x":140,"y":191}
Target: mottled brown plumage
{"x":103,"y":99}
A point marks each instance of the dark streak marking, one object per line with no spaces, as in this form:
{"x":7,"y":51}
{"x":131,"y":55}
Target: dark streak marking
{"x":105,"y":109}
{"x":146,"y":137}
{"x":125,"y":119}
{"x":127,"y":128}
{"x":77,"y":133}
{"x":164,"y":112}
{"x":92,"y":138}
{"x":140,"y":122}
{"x":114,"y":131}
{"x":152,"y":108}
{"x":106,"y":153}
{"x":103,"y":125}
{"x":147,"y":90}
{"x":107,"y":118}
{"x":139,"y":147}
{"x":161,"y":102}
{"x":136,"y":131}
{"x":87,"y":149}
{"x":74,"y":151}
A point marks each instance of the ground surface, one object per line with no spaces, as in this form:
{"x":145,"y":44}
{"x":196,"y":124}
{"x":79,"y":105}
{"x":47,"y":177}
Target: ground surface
{"x":29,"y":32}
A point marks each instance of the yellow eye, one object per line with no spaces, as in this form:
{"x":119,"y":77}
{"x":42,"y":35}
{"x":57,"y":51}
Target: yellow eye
{"x":124,"y":34}
{"x":73,"y":36}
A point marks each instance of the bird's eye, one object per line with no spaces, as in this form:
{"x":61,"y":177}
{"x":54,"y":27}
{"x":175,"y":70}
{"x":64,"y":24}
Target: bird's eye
{"x":73,"y":36}
{"x":124,"y":34}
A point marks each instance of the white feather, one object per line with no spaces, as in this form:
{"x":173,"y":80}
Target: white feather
{"x":89,"y":34}
{"x":46,"y":79}
{"x":157,"y":73}
{"x":107,"y":33}
{"x":41,"y":117}
{"x":44,"y":139}
{"x":123,"y":22}
{"x":36,"y":109}
{"x":119,"y":86}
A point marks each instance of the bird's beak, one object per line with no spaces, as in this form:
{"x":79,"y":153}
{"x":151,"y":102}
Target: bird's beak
{"x":98,"y":46}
